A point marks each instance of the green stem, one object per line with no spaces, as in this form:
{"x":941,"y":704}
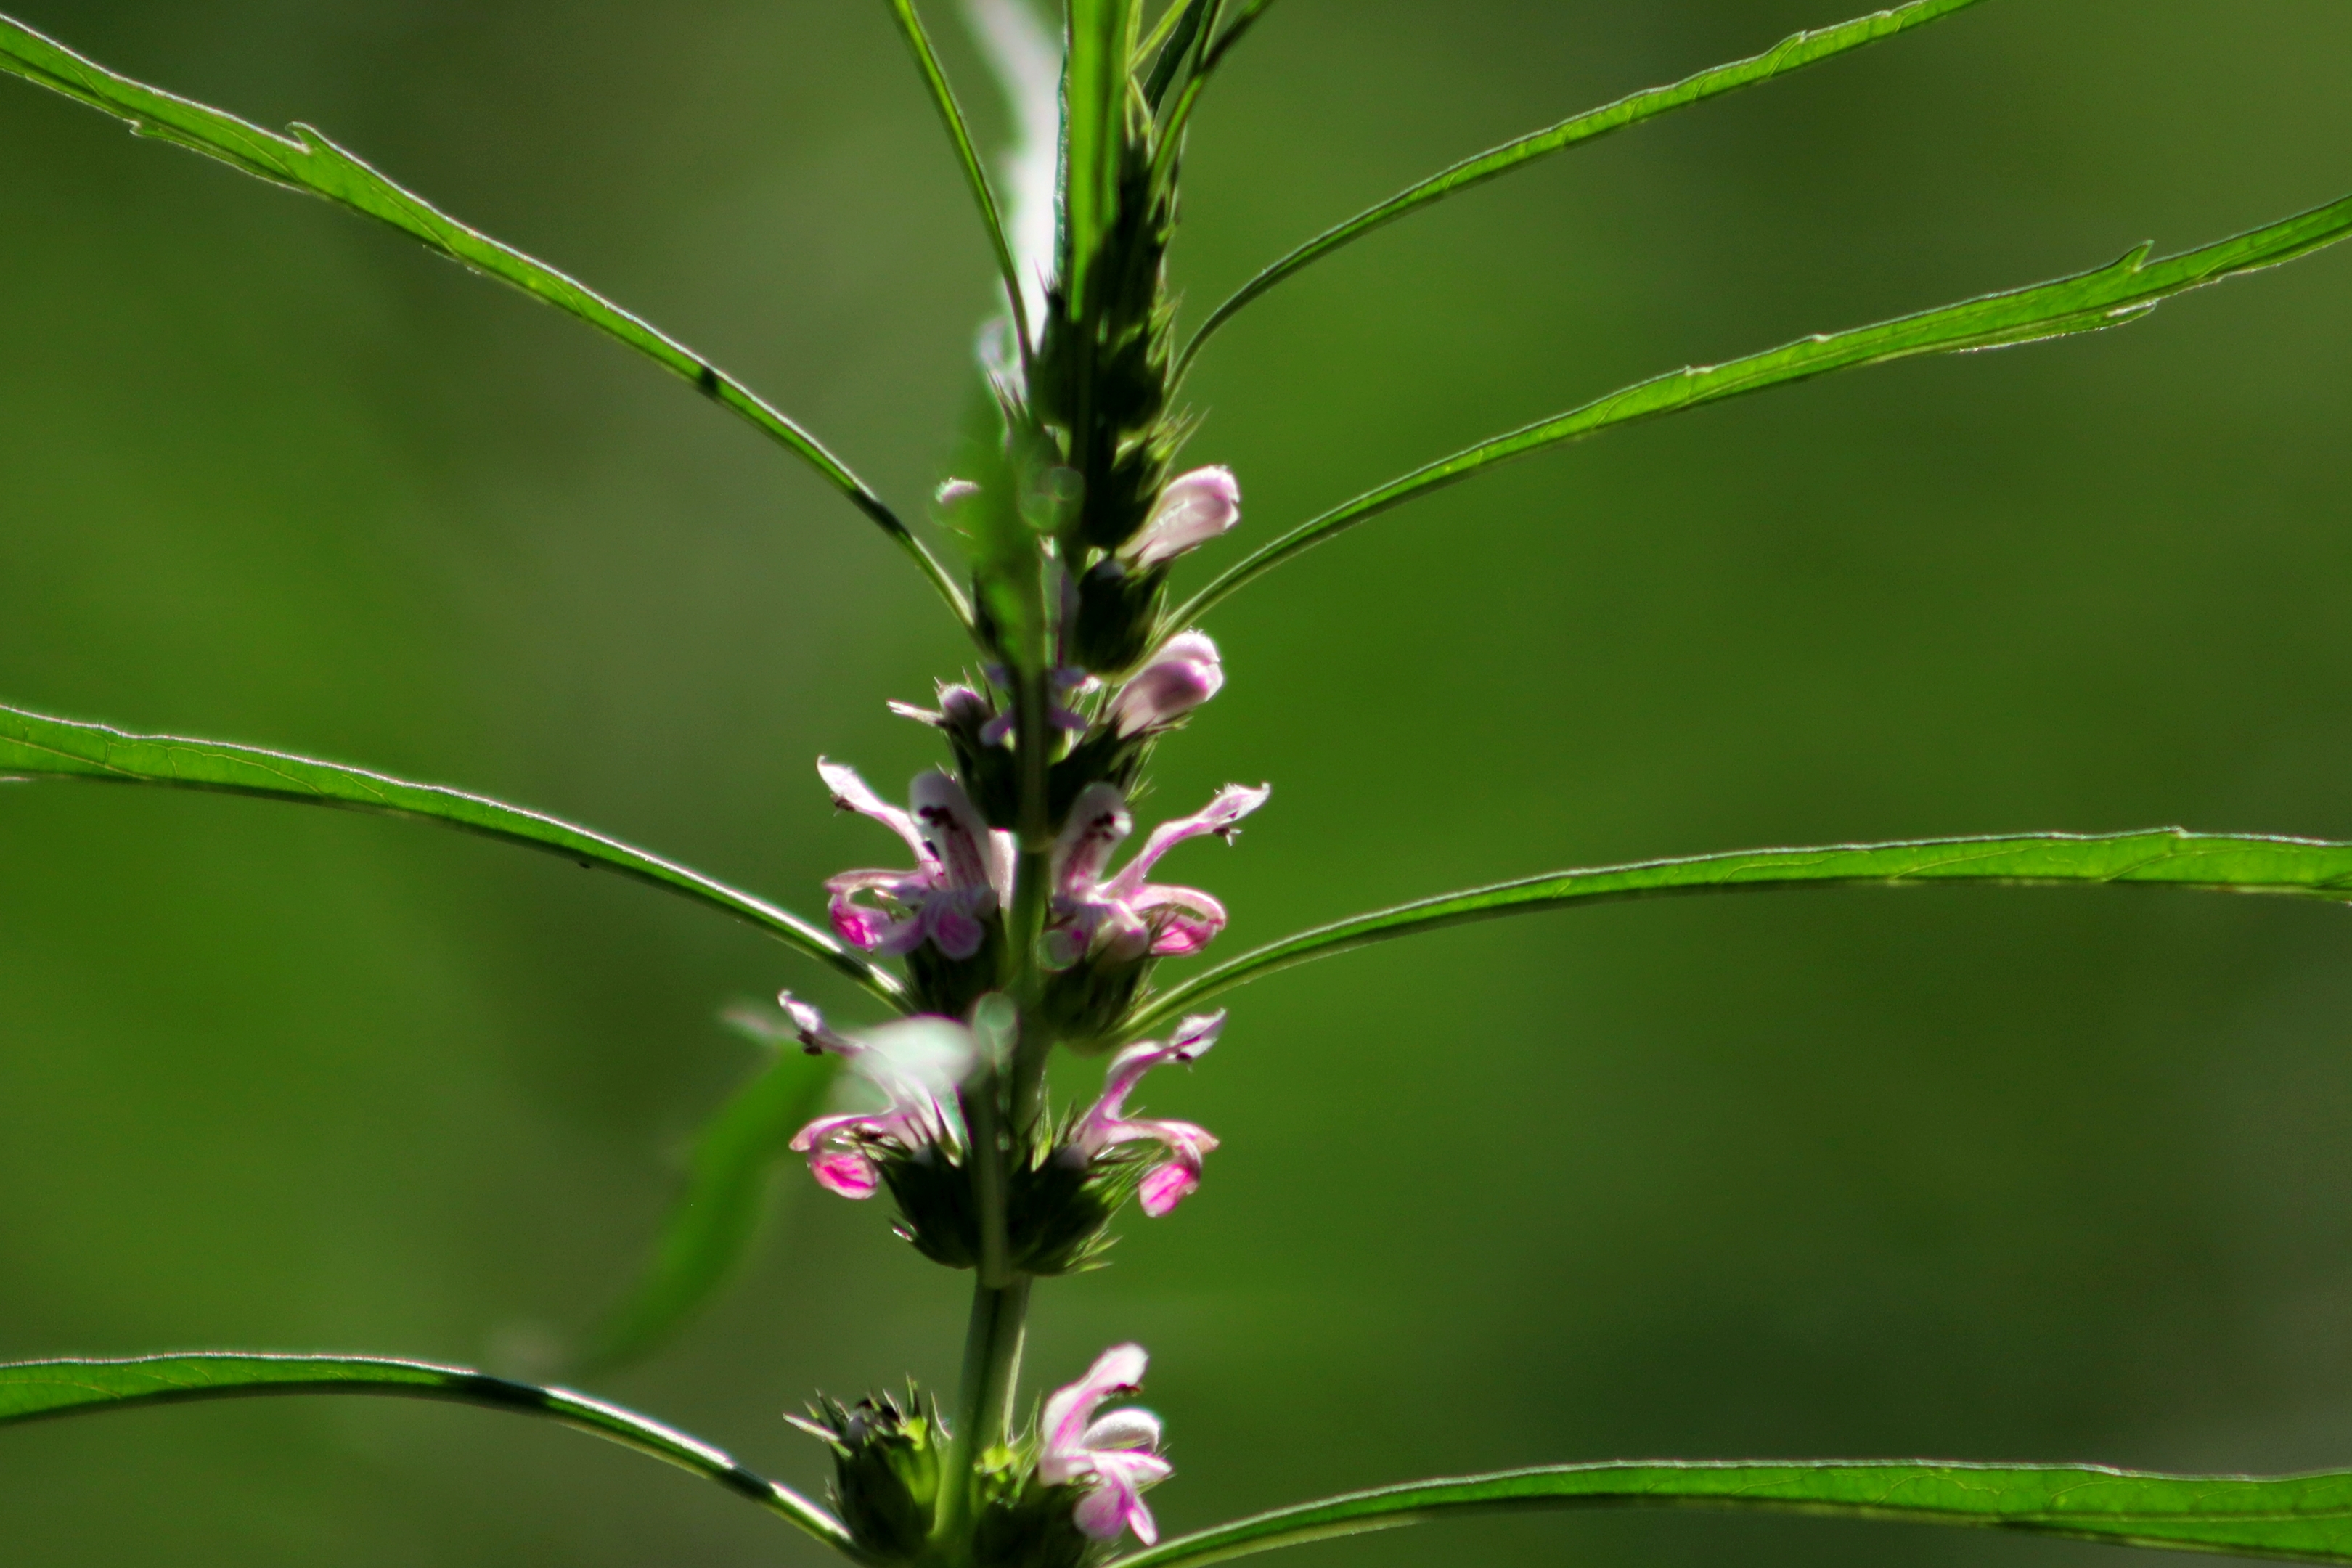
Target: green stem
{"x":1000,"y":1301}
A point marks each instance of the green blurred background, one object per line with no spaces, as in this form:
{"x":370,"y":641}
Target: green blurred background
{"x":1974,"y":1173}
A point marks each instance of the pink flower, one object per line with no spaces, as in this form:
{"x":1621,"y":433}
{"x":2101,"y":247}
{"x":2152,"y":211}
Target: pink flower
{"x":1123,"y":916}
{"x":1194,"y":508}
{"x":1184,"y":673}
{"x":1108,"y":1124}
{"x":917,"y":1064}
{"x":962,"y":875}
{"x":1114,"y":1454}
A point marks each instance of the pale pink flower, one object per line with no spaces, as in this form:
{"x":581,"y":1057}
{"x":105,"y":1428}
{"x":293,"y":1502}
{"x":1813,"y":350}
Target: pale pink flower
{"x":916,"y":1063}
{"x":1184,"y":673}
{"x":961,"y":708}
{"x":1107,"y":1125}
{"x":1123,"y":916}
{"x":1114,"y":1455}
{"x":1194,"y":508}
{"x":962,"y":874}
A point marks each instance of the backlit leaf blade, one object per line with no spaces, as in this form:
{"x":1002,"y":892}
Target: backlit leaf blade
{"x":2108,"y":296}
{"x":719,"y":1214}
{"x":2163,"y":856}
{"x":2301,"y":1517}
{"x":951,"y":112}
{"x":307,"y":161}
{"x":33,"y":746}
{"x":1791,"y":54}
{"x":33,"y":1390}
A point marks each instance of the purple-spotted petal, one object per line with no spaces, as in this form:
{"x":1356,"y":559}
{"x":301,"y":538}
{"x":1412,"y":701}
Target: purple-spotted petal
{"x":958,"y":838}
{"x":1097,"y":823}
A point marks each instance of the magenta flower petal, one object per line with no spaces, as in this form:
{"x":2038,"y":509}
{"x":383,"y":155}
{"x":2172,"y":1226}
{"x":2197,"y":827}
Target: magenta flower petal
{"x":846,"y":1171}
{"x":1164,"y":1187}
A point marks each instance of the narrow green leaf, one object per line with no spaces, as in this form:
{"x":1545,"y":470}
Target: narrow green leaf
{"x":1094,"y":110}
{"x":2162,"y":857}
{"x":1212,"y":55}
{"x":2108,"y":296}
{"x":36,"y":1390}
{"x":2306,"y":1519}
{"x":1791,"y":54}
{"x":33,"y":746}
{"x":726,"y":1197}
{"x":943,"y":99}
{"x":1176,"y":37}
{"x":307,"y":161}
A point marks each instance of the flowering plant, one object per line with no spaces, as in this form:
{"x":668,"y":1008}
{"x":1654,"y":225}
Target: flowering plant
{"x":1017,"y":939}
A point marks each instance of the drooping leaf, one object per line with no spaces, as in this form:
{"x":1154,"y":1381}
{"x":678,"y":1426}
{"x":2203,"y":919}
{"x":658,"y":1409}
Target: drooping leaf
{"x":943,"y":99}
{"x":307,"y":161}
{"x":33,"y":746}
{"x":716,"y":1218}
{"x":1791,"y":54}
{"x":38,"y":1390}
{"x":2303,"y":1517}
{"x":2110,"y":295}
{"x":2163,"y":856}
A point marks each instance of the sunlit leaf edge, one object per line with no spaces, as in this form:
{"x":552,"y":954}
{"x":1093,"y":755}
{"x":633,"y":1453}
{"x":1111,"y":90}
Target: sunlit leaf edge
{"x":2163,"y":856}
{"x":2303,"y":1518}
{"x":307,"y":161}
{"x":1791,"y":54}
{"x":34,"y":746}
{"x":43,"y":1390}
{"x":2122,"y":291}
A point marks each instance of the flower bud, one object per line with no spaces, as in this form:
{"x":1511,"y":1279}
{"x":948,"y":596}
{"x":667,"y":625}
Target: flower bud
{"x":1184,"y":673}
{"x":1194,"y":508}
{"x":885,"y":1470}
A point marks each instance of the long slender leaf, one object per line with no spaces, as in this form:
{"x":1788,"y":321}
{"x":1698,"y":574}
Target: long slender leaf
{"x":2162,"y":856}
{"x":38,"y":1390}
{"x":1791,"y":54}
{"x":307,"y":161}
{"x":33,"y":746}
{"x":2306,"y":1519}
{"x":2108,"y":296}
{"x":719,"y":1214}
{"x":943,"y":99}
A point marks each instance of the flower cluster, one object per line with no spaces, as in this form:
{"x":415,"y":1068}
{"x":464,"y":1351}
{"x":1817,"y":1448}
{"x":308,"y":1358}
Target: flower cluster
{"x":1060,"y":1200}
{"x":983,"y":1175}
{"x":1056,"y":1498}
